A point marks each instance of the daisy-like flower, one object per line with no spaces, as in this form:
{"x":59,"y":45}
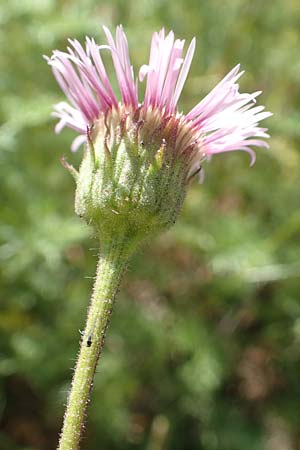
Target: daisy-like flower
{"x":142,"y":154}
{"x":225,"y":120}
{"x":138,"y":160}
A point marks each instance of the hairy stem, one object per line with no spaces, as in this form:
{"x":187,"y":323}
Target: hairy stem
{"x":112,"y":262}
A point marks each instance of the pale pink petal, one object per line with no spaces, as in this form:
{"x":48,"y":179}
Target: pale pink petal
{"x":228,"y":119}
{"x":121,"y":60}
{"x":77,"y":142}
{"x":184,"y":72}
{"x":164,"y":78}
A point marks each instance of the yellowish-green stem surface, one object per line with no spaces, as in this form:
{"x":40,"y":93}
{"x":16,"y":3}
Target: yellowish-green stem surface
{"x":112,"y":262}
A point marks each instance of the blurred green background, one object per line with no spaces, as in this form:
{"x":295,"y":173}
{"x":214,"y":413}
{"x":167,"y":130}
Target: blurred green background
{"x":203,"y":351}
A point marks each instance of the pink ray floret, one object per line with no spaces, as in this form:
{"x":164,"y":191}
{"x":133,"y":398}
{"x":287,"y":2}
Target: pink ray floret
{"x":225,"y":120}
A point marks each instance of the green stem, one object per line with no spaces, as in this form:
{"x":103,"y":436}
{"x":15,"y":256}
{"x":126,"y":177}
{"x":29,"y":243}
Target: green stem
{"x":112,"y":262}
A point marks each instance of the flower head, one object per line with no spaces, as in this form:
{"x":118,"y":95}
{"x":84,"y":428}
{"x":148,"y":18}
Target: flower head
{"x":132,"y":141}
{"x":224,"y":120}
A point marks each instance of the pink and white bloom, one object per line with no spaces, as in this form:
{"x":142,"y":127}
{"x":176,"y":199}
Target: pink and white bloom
{"x":138,"y":160}
{"x":225,"y":120}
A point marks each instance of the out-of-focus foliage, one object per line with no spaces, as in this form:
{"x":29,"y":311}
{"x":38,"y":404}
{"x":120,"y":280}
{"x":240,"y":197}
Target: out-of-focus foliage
{"x":203,"y":352}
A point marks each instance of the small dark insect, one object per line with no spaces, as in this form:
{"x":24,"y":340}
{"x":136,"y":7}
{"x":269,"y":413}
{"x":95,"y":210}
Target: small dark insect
{"x":89,"y":340}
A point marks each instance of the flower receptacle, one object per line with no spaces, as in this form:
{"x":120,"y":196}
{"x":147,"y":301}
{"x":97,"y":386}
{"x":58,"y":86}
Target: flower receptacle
{"x":127,"y":184}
